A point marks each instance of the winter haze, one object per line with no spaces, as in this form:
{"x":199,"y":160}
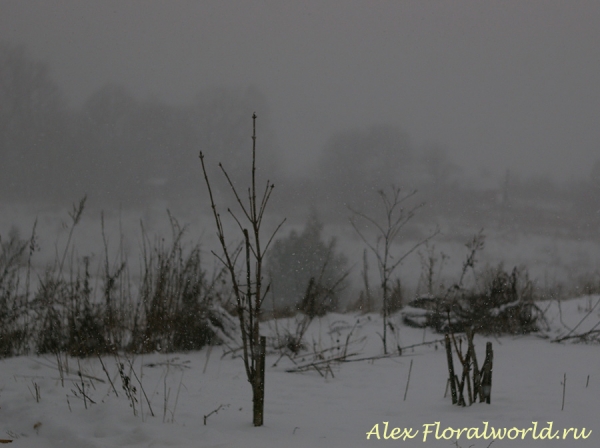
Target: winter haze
{"x":436,"y":172}
{"x":488,"y":109}
{"x":499,"y":84}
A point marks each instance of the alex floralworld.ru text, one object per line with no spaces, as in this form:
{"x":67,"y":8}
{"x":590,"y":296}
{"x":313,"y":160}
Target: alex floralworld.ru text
{"x":435,"y":431}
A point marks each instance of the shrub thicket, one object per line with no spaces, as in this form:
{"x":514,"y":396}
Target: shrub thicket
{"x":175,"y":306}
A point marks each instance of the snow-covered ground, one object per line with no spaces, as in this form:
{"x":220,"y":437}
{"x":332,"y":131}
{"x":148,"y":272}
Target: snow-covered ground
{"x":334,"y":408}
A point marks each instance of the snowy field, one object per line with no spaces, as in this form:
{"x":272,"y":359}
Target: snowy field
{"x":335,"y":407}
{"x":552,"y":261}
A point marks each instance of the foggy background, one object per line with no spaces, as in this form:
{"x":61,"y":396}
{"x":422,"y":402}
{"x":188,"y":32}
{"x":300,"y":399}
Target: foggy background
{"x":489,"y":109}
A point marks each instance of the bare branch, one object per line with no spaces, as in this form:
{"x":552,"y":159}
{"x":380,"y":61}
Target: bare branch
{"x":273,"y":234}
{"x":415,"y":247}
{"x":265,"y":199}
{"x":362,"y":237}
{"x":367,"y":218}
{"x":237,"y":197}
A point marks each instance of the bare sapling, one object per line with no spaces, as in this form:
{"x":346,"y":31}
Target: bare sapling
{"x":388,"y":230}
{"x":248,"y":288}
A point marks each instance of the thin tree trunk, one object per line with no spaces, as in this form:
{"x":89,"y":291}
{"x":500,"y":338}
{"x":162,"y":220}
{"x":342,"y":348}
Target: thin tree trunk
{"x":258,"y":387}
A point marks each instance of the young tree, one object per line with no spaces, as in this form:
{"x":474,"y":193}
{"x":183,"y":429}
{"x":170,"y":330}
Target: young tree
{"x":387,"y":231}
{"x":248,"y":289}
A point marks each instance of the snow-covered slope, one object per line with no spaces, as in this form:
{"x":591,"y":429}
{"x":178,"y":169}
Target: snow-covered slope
{"x":333,"y":408}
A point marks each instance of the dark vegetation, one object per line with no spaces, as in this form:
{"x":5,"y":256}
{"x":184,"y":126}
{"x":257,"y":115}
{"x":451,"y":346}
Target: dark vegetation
{"x":307,"y":273}
{"x":84,"y":308}
{"x":174,"y":305}
{"x":496,"y":302}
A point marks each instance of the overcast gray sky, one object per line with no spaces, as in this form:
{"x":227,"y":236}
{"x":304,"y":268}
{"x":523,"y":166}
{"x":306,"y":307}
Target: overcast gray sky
{"x":500,"y":84}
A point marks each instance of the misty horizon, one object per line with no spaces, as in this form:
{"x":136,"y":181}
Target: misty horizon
{"x":487,"y":111}
{"x":499,"y":86}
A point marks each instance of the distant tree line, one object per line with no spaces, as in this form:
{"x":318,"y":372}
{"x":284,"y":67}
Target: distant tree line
{"x":115,"y":147}
{"x":119,"y":149}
